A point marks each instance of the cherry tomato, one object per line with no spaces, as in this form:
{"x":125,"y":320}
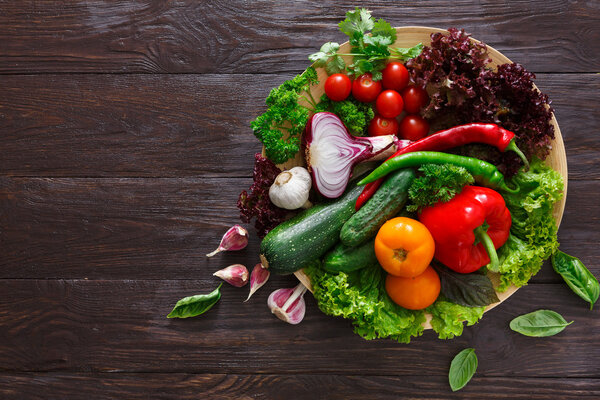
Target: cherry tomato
{"x":414,"y":293}
{"x":338,"y":87}
{"x":365,"y":89}
{"x":381,"y":126}
{"x":404,"y":247}
{"x":415,"y":98}
{"x":395,"y":76}
{"x":389,"y":104}
{"x":413,"y":127}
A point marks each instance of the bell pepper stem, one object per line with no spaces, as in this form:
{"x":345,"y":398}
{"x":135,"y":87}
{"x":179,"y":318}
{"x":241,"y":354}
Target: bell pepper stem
{"x":512,"y":146}
{"x":503,"y":186}
{"x":486,"y":241}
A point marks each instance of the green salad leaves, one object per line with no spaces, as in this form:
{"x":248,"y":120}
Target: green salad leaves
{"x":533,"y":232}
{"x":360,"y":297}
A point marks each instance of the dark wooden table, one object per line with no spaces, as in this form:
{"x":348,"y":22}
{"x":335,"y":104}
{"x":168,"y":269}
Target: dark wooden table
{"x":124,"y":142}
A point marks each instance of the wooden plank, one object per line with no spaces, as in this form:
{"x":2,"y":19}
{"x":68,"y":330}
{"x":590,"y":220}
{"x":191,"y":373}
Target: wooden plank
{"x":104,"y":326}
{"x":161,"y":125}
{"x":249,"y":386}
{"x":162,"y":228}
{"x":189,"y":125}
{"x":241,"y":37}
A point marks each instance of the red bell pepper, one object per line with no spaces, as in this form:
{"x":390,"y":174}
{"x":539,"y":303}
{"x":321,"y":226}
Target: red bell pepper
{"x":468,"y":229}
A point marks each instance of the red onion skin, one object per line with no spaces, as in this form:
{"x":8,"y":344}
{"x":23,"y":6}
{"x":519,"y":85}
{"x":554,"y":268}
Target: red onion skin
{"x":366,"y":154}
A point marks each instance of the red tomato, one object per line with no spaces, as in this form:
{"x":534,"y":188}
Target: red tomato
{"x":381,"y":126}
{"x":389,"y":103}
{"x":338,"y":87}
{"x":365,"y":89}
{"x":413,"y":127}
{"x":395,"y":76}
{"x":415,"y":98}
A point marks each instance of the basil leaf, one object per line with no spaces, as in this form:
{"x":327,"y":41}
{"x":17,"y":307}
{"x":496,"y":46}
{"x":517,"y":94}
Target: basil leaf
{"x":195,"y":305}
{"x":578,"y":277}
{"x":462,"y":369}
{"x":471,"y":290}
{"x":540,"y":323}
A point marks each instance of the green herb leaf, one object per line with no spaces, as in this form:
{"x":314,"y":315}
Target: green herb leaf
{"x":471,"y":290}
{"x":280,"y":127}
{"x":438,"y":183}
{"x":357,"y":21}
{"x":327,"y":51}
{"x":335,"y":65}
{"x":462,"y":369}
{"x":407,"y":53}
{"x":195,"y":305}
{"x":539,"y":323}
{"x":383,"y":28}
{"x":355,"y":114}
{"x":577,"y":276}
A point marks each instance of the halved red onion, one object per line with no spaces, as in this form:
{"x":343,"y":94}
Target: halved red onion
{"x":331,"y":152}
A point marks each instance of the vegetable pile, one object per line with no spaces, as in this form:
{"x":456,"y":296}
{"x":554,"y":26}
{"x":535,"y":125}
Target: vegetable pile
{"x":424,"y":179}
{"x":462,"y":193}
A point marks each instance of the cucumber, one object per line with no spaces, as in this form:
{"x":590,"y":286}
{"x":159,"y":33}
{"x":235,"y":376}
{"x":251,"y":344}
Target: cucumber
{"x":347,"y":259}
{"x":385,"y":204}
{"x":306,"y":237}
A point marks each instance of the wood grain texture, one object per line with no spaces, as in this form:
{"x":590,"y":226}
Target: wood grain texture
{"x":272,"y":387}
{"x":124,"y":142}
{"x":254,"y":37}
{"x":190,"y":125}
{"x":130,"y":228}
{"x":104,"y":326}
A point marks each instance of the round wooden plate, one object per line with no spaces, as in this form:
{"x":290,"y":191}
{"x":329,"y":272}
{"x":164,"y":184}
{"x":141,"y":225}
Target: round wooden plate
{"x":409,"y":36}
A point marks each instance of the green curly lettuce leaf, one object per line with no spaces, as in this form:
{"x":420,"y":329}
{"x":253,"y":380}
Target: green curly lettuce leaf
{"x":533,"y":236}
{"x":448,"y":318}
{"x":360,"y":297}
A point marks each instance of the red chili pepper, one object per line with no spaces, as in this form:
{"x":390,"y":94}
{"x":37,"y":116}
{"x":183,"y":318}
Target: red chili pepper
{"x":492,"y":134}
{"x":468,"y":229}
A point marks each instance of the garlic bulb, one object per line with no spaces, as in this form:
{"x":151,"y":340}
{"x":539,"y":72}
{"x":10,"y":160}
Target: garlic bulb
{"x":291,"y":188}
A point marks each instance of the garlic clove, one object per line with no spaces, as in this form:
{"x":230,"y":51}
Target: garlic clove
{"x":258,"y":277}
{"x":288,"y":304}
{"x":236,"y":275}
{"x":236,"y":238}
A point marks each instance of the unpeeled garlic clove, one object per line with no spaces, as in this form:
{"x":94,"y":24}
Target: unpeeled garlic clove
{"x":288,"y":304}
{"x":236,"y":275}
{"x":258,"y":277}
{"x":236,"y":238}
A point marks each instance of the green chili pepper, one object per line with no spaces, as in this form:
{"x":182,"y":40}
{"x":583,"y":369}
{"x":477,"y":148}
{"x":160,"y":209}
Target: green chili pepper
{"x":577,"y":276}
{"x":483,"y":172}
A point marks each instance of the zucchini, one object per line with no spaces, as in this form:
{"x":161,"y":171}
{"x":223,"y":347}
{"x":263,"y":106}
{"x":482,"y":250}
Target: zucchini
{"x":385,"y":204}
{"x":295,"y":243}
{"x":347,"y":259}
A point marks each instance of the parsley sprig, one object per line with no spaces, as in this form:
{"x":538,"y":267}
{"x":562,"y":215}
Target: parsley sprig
{"x":286,"y":115}
{"x":370,"y":40}
{"x":437,"y":183}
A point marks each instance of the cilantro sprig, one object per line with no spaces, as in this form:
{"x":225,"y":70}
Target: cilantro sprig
{"x":370,"y":40}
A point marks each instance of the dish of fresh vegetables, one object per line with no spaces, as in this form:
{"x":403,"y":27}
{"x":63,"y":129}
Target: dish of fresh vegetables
{"x":411,"y":178}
